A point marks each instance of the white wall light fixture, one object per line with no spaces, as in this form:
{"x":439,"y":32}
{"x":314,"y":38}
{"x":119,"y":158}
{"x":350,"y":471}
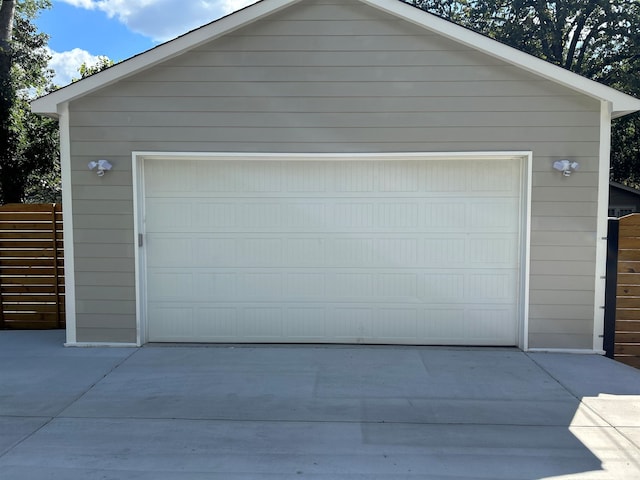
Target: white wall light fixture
{"x":565,"y":166}
{"x":101,"y":165}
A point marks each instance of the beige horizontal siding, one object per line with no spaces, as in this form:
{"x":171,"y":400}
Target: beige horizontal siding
{"x":531,"y":104}
{"x":338,"y":76}
{"x":560,"y":340}
{"x":106,"y":334}
{"x":568,"y":297}
{"x":103,"y":263}
{"x":339,"y":88}
{"x":333,"y":74}
{"x":125,"y":294}
{"x":562,"y":267}
{"x":91,"y":150}
{"x":556,"y":239}
{"x":103,"y":279}
{"x":345,"y":135}
{"x":563,"y":253}
{"x":561,"y":283}
{"x":116,"y":310}
{"x":101,"y":236}
{"x":114,"y":207}
{"x":563,"y":224}
{"x":566,"y":209}
{"x":558,"y":312}
{"x":329,"y":119}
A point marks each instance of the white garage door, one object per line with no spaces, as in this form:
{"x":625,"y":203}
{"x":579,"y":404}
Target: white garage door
{"x":362,"y":251}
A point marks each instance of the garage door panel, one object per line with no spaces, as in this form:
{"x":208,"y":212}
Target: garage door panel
{"x":493,"y":251}
{"x":184,"y":179}
{"x":164,"y":215}
{"x":371,"y":215}
{"x":494,"y":176}
{"x":363,"y":251}
{"x":488,"y":325}
{"x":170,"y":285}
{"x":215,"y":285}
{"x":216,"y":322}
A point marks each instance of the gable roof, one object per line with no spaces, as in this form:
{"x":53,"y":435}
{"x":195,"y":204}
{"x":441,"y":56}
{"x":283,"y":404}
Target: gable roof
{"x":622,"y":104}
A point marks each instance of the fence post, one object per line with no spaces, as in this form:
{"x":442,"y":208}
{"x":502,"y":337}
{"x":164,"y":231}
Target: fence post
{"x":613,"y":240}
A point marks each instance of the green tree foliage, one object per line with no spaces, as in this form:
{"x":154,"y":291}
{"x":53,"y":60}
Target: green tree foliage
{"x":599,"y":39}
{"x":29,"y":155}
{"x":102,"y":64}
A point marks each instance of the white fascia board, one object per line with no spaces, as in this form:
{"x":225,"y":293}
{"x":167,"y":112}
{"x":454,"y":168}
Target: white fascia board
{"x":48,"y":105}
{"x":622,"y":103}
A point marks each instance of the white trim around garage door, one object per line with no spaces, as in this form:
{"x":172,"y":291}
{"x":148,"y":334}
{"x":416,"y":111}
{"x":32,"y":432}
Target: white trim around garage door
{"x":138,"y":160}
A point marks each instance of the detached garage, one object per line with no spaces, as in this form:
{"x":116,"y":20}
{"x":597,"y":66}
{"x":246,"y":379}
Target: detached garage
{"x":321,"y":171}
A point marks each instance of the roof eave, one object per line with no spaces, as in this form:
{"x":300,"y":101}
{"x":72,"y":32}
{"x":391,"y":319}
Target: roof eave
{"x":621,"y":103}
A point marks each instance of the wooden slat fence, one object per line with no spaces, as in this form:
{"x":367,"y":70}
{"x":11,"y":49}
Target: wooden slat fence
{"x":31,"y":267}
{"x":624,"y":234}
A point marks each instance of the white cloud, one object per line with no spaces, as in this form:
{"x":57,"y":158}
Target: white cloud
{"x":162,"y":20}
{"x":66,"y":64}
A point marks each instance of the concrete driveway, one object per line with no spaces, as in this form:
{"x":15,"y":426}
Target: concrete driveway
{"x":182,"y":412}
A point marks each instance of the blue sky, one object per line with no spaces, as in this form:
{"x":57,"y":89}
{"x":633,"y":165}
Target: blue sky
{"x":82,"y":30}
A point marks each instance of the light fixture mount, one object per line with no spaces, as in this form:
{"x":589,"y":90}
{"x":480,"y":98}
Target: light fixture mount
{"x":102,"y":166}
{"x":566,"y":166}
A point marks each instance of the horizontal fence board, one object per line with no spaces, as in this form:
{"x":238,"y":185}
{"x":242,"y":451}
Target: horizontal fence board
{"x":628,"y":279}
{"x":629,"y":360}
{"x":31,"y":267}
{"x":628,"y":337}
{"x":25,"y":226}
{"x":36,"y":215}
{"x":628,"y":267}
{"x":42,"y":253}
{"x":623,"y":325}
{"x":628,"y":291}
{"x":29,"y":307}
{"x":629,"y":243}
{"x":27,"y":243}
{"x":627,"y":349}
{"x":11,"y":235}
{"x":630,"y":220}
{"x":28,"y":280}
{"x":22,"y":219}
{"x":49,"y":297}
{"x":31,"y":316}
{"x":627,"y":314}
{"x":628,"y":302}
{"x":31,"y":207}
{"x":29,"y":262}
{"x":18,"y":289}
{"x":30,"y":324}
{"x":629,"y":255}
{"x":34,"y":271}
